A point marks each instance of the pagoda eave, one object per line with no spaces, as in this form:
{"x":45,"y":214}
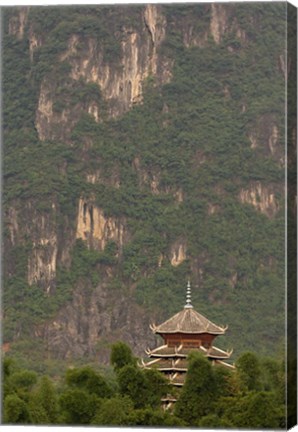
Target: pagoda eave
{"x":181,"y":352}
{"x":205,"y":331}
{"x":171,"y":369}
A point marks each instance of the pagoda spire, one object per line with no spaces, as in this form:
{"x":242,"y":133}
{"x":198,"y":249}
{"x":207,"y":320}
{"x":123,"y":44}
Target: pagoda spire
{"x":188,"y":297}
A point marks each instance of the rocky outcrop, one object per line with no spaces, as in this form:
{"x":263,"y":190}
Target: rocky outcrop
{"x":253,"y":140}
{"x":97,"y":178}
{"x":178,"y":253}
{"x":273,"y":139}
{"x":17,"y":22}
{"x":83,"y":328}
{"x":97,"y":229}
{"x":121,"y":84}
{"x":42,"y":260}
{"x":12,"y":224}
{"x":212,"y":208}
{"x":42,"y":263}
{"x":52,"y":124}
{"x":35,"y":42}
{"x":156,"y":25}
{"x":285,"y":66}
{"x":261,"y":197}
{"x":219,"y":21}
{"x":40,"y":228}
{"x":44,"y":113}
{"x":264,"y":136}
{"x":193,"y":39}
{"x":233,"y":280}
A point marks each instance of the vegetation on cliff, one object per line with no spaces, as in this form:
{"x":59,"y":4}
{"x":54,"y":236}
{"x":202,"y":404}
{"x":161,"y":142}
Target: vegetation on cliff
{"x":189,"y":162}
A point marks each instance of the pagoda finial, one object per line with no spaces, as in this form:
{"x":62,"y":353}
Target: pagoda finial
{"x":188,"y":296}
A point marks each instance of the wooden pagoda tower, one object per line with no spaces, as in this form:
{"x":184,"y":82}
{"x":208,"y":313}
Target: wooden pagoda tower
{"x":183,"y":333}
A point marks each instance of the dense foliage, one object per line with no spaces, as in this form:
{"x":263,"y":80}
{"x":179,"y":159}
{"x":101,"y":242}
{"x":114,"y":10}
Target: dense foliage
{"x":193,"y":135}
{"x":250,"y":397}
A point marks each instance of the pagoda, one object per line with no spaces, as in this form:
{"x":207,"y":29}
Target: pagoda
{"x":183,"y":333}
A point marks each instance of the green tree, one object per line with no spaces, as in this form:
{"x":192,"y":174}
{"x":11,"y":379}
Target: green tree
{"x":43,"y":404}
{"x":78,"y":406}
{"x":116,"y":411}
{"x":23,"y":380}
{"x":214,"y":421}
{"x":223,"y":381}
{"x":273,"y":377}
{"x":198,"y":392}
{"x":258,"y":410}
{"x":156,"y":385}
{"x":121,"y":355}
{"x":154,"y":417}
{"x":144,"y":387}
{"x":249,"y":372}
{"x":37,"y":414}
{"x":132,"y":383}
{"x":8,"y":366}
{"x":15,"y":410}
{"x":86,"y":378}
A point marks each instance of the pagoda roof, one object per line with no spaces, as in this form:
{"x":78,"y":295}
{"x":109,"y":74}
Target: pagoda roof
{"x":188,"y":321}
{"x":227,"y":365}
{"x":169,"y":398}
{"x":176,"y":368}
{"x":178,"y":379}
{"x":163,"y":364}
{"x":165,"y":351}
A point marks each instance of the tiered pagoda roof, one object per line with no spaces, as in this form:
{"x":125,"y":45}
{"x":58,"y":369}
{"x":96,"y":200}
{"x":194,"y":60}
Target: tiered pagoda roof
{"x":188,"y":321}
{"x":181,"y":351}
{"x":183,"y":333}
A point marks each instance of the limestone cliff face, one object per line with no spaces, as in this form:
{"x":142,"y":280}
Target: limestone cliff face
{"x":97,"y":229}
{"x":121,"y":84}
{"x":96,"y":177}
{"x":35,"y":41}
{"x":212,"y":208}
{"x":92,"y":321}
{"x":261,"y":197}
{"x":44,"y":113}
{"x":221,"y":23}
{"x":98,"y":315}
{"x":52,"y":124}
{"x":13,"y":224}
{"x":17,"y":23}
{"x":178,"y":253}
{"x":42,"y":260}
{"x":265,"y":135}
{"x":40,"y":228}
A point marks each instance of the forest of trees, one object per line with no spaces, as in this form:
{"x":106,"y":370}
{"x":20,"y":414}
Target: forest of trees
{"x":252,"y":396}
